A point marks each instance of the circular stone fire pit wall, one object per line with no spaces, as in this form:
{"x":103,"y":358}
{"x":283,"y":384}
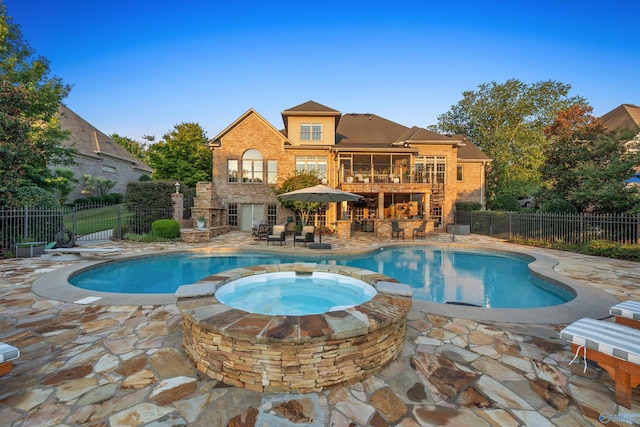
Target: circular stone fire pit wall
{"x":298,"y":354}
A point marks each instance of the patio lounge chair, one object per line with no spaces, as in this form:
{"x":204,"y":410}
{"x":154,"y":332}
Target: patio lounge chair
{"x":627,"y":313}
{"x":307,"y":235}
{"x":419,"y":232}
{"x":614,"y":347}
{"x":8,"y":354}
{"x":278,"y":234}
{"x":396,"y":231}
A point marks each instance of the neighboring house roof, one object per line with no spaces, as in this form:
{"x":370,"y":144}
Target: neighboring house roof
{"x":625,"y":116}
{"x":89,"y":141}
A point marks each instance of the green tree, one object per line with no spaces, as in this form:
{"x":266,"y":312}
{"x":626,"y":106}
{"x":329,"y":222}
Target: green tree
{"x":586,"y":166}
{"x":61,"y":183}
{"x":136,"y":148}
{"x":296,"y":182}
{"x":182,"y":155}
{"x":30,"y":134}
{"x":507,"y":121}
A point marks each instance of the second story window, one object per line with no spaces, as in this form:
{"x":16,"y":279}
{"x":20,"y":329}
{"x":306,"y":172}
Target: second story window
{"x":310,"y":132}
{"x":305,"y":132}
{"x":316,"y":132}
{"x":252,"y":166}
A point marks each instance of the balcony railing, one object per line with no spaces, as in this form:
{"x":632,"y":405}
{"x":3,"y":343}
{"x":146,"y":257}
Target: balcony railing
{"x":385,"y":174}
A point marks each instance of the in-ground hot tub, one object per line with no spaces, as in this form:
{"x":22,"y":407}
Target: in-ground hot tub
{"x":294,"y":353}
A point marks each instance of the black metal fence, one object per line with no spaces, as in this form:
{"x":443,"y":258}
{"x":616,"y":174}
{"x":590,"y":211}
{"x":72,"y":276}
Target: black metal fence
{"x":548,"y":227}
{"x":86,"y":222}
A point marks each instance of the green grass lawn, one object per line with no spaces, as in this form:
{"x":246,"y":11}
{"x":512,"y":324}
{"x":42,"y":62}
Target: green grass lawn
{"x":97,"y":219}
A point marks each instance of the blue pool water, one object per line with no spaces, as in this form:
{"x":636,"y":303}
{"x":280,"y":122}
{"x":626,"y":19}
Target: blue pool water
{"x":289,"y":293}
{"x":480,"y":278}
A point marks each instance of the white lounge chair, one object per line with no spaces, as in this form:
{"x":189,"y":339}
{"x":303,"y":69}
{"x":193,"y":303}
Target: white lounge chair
{"x":616,"y":348}
{"x":627,"y":313}
{"x":8,"y":354}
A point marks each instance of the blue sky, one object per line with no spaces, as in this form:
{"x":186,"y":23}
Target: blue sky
{"x":140,"y":67}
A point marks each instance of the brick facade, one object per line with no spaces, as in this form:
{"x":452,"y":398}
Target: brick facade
{"x":365,"y":135}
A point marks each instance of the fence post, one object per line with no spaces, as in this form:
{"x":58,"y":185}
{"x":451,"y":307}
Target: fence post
{"x":490,"y":225}
{"x":119,"y":223}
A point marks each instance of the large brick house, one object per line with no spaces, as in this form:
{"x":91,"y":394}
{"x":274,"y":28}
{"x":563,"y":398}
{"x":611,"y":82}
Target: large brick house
{"x":401,"y":172}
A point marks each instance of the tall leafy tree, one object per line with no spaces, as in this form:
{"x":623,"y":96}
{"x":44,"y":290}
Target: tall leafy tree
{"x":182,"y":155}
{"x":299,"y":181}
{"x":30,"y":134}
{"x":507,"y":122}
{"x":586,"y":166}
{"x":136,"y":148}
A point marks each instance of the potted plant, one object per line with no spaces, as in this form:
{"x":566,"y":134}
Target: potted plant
{"x":200,"y":222}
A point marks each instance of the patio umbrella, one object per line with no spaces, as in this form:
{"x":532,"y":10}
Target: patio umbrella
{"x":320,"y":194}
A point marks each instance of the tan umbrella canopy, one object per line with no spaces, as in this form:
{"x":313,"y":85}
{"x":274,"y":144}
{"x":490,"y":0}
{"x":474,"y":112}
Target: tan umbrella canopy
{"x":320,"y":194}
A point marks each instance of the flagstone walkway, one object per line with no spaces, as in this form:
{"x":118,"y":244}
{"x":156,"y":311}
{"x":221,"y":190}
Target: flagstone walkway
{"x":123,"y":365}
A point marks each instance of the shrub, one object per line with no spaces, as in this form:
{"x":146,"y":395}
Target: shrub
{"x":505,"y":202}
{"x":468,"y":206}
{"x":40,"y":228}
{"x":35,"y":197}
{"x":166,"y":228}
{"x":118,"y":197}
{"x":148,"y":202}
{"x":603,"y":248}
{"x":109,"y":199}
{"x":557,"y":206}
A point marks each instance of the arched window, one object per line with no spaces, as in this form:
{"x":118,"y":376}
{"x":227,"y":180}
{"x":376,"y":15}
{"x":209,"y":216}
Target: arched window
{"x":252,"y":166}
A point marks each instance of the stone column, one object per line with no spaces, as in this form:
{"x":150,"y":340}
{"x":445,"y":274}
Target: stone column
{"x":177,"y":201}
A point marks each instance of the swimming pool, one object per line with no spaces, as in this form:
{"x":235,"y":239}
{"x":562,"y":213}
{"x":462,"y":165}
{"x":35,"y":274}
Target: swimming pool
{"x":485,"y":279}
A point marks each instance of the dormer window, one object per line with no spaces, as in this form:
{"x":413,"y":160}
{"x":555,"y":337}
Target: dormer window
{"x":311,"y":132}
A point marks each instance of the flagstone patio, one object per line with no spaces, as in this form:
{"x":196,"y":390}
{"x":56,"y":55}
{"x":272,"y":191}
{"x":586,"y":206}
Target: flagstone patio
{"x":124,"y":365}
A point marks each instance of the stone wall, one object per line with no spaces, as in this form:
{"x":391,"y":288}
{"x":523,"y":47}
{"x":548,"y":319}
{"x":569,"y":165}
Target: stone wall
{"x":293,"y":353}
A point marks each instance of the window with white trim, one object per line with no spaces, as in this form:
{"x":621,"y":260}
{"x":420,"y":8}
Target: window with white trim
{"x":252,"y":166}
{"x":232,"y":170}
{"x":311,"y":132}
{"x":313,"y":164}
{"x":272,"y":171}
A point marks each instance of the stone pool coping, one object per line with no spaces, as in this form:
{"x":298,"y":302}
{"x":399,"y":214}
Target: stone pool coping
{"x":589,"y":302}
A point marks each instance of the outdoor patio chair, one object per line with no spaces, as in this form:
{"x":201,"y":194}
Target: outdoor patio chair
{"x":307,"y":235}
{"x":396,"y":231}
{"x":419,"y":232}
{"x":8,"y":354}
{"x":262,"y":231}
{"x":277,"y":235}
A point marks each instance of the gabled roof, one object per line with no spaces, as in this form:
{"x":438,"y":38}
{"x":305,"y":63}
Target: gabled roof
{"x":417,"y":134}
{"x":89,"y":141}
{"x":309,"y":108}
{"x":367,"y":130}
{"x":625,"y":116}
{"x":467,"y":150}
{"x":216,"y":140}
